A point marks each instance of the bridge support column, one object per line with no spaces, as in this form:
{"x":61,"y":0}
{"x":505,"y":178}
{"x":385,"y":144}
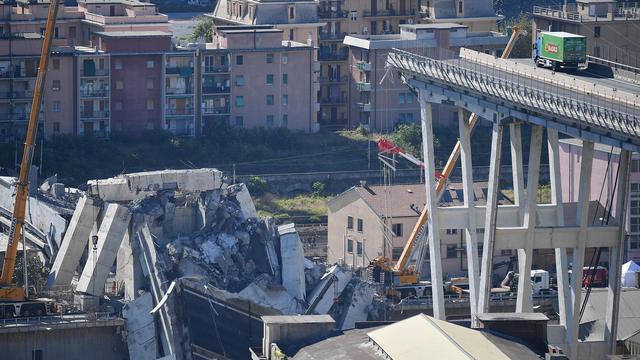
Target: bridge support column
{"x":433,"y":227}
{"x":616,"y":255}
{"x":470,"y":232}
{"x":564,"y":296}
{"x":582,"y":218}
{"x":524,"y":302}
{"x":490,"y":220}
{"x":515,"y":139}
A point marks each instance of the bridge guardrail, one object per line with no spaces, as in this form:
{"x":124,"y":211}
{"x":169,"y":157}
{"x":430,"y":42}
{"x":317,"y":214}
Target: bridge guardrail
{"x":589,"y":112}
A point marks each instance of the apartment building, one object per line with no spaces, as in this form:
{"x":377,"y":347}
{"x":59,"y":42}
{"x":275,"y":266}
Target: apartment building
{"x":380,"y":101}
{"x":603,"y":190}
{"x":478,"y":15}
{"x":350,"y":17}
{"x":366,"y":222}
{"x":610,"y":26}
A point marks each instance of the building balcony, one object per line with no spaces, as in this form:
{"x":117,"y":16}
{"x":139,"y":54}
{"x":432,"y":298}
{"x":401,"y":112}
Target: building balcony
{"x":22,"y":94}
{"x":184,"y":71}
{"x":333,"y":100}
{"x":98,"y":114}
{"x":364,"y":106}
{"x":178,"y":112}
{"x":330,"y":14}
{"x":332,"y":36}
{"x":222,"y":110}
{"x":333,"y":56}
{"x":94,"y":73}
{"x":216,"y":69}
{"x":388,"y":13}
{"x":363,"y":86}
{"x":94,"y":93}
{"x":6,"y":74}
{"x":316,"y":107}
{"x":216,"y":89}
{"x":363,"y":65}
{"x":316,"y":66}
{"x":178,"y":91}
{"x":333,"y":79}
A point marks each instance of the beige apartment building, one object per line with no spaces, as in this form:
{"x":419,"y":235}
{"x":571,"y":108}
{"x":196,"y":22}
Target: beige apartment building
{"x":478,"y":15}
{"x":380,"y":101}
{"x":611,"y":27}
{"x":366,"y":222}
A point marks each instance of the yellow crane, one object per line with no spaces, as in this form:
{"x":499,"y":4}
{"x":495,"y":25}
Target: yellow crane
{"x":402,"y":275}
{"x":10,"y":292}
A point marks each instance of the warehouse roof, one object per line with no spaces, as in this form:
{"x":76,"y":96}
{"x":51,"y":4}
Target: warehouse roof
{"x":593,"y":321}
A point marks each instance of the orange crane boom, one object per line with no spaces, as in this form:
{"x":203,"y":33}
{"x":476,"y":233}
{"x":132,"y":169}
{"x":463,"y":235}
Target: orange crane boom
{"x":8,"y":291}
{"x":400,"y":266}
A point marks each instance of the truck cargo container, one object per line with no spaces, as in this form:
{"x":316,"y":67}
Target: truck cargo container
{"x":560,"y":50}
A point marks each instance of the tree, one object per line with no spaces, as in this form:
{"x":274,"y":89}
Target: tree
{"x":409,"y":138}
{"x":202,"y":30}
{"x":522,"y":48}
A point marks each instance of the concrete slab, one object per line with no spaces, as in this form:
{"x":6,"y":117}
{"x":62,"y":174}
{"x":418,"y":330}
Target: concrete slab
{"x":292,"y":255}
{"x":330,"y":287}
{"x":129,"y":273}
{"x":272,"y":296}
{"x":140,"y":326}
{"x":75,"y":241}
{"x":110,"y":235}
{"x":243,"y":197}
{"x":133,"y":186}
{"x":360,"y":305}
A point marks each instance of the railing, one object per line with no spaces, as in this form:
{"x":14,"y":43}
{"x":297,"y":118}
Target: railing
{"x":96,"y":114}
{"x":96,"y":72}
{"x":178,"y":112}
{"x":390,"y":12}
{"x":339,"y":36}
{"x":587,"y":109}
{"x":180,"y":70}
{"x":216,"y":69}
{"x":24,"y":94}
{"x":364,"y":106}
{"x":363,"y":86}
{"x":178,"y":91}
{"x":557,"y":13}
{"x":94,"y":93}
{"x":333,"y":79}
{"x":363,"y":65}
{"x":216,"y":89}
{"x":333,"y":56}
{"x":6,"y":74}
{"x":57,"y":319}
{"x":338,"y":14}
{"x":333,"y":100}
{"x":623,"y":12}
{"x":215,"y":110}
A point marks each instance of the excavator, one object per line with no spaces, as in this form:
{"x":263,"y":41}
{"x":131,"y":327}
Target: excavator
{"x":404,"y":280}
{"x":14,"y":301}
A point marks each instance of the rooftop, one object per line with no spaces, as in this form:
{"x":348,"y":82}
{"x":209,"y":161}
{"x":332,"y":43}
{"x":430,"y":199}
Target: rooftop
{"x":133,"y":34}
{"x":593,"y":321}
{"x":297,"y":319}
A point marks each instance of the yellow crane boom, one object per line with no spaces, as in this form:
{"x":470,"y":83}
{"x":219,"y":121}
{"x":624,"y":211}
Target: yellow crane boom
{"x":8,"y":291}
{"x":401,"y":265}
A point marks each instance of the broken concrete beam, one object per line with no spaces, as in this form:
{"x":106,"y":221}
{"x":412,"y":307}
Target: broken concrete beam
{"x":292,"y":256}
{"x":128,"y":270}
{"x":359,"y":306}
{"x":262,"y":292}
{"x":247,"y":206}
{"x":75,"y":241}
{"x":140,"y":325}
{"x":330,"y":287}
{"x":110,"y":235}
{"x":134,"y":186}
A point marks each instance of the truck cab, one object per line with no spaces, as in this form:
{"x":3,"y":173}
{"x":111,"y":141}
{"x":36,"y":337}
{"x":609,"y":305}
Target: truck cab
{"x":540,"y":281}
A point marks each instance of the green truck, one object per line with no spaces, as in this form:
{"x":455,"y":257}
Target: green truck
{"x":560,"y":50}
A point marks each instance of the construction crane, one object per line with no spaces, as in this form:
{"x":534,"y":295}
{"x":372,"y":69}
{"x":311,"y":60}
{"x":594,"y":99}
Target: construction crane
{"x":13,"y":298}
{"x":401,"y":274}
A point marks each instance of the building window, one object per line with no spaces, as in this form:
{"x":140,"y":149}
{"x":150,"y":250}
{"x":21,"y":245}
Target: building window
{"x":409,"y":98}
{"x":397,"y":229}
{"x":150,"y":104}
{"x":635,"y":165}
{"x":452,"y":251}
{"x":118,"y":64}
{"x":290,"y":34}
{"x":119,"y":85}
{"x":36,"y":355}
{"x":239,"y":60}
{"x":359,"y":248}
{"x":55,"y":106}
{"x":635,"y":206}
{"x":634,"y":242}
{"x":239,"y":121}
{"x":56,"y":127}
{"x":459,"y":7}
{"x":596,"y":31}
{"x":634,"y":225}
{"x":350,"y":246}
{"x":635,"y":188}
{"x":56,"y":64}
{"x":285,"y":99}
{"x":55,"y":86}
{"x":354,"y":16}
{"x":240,"y":80}
{"x":269,"y":120}
{"x":402,"y":99}
{"x":269,"y":79}
{"x":285,"y":58}
{"x":149,"y":83}
{"x":270,"y":58}
{"x":151,"y":64}
{"x":350,"y":222}
{"x":452,"y":231}
{"x":360,"y":225}
{"x":285,"y":79}
{"x":507,"y":252}
{"x":292,"y":13}
{"x":396,"y":253}
{"x":285,"y":120}
{"x":118,"y":105}
{"x":269,"y":99}
{"x":239,"y":101}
